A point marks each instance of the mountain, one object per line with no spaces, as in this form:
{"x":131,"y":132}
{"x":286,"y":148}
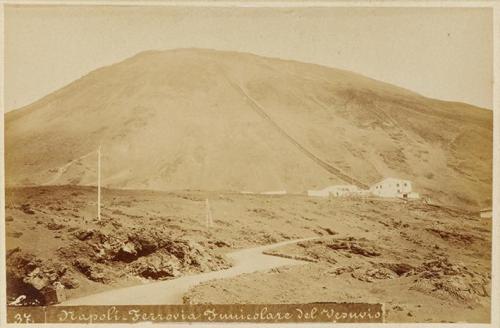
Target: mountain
{"x":216,"y":120}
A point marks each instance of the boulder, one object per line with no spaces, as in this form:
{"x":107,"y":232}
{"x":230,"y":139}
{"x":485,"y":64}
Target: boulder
{"x":90,"y":270}
{"x":37,"y":281}
{"x":146,"y":243}
{"x":127,"y":252}
{"x":69,"y":282}
{"x":158,"y":266}
{"x":398,"y":268}
{"x":54,"y":294}
{"x":54,"y":226}
{"x":165,"y":271}
{"x":27,"y":209}
{"x":83,"y":234}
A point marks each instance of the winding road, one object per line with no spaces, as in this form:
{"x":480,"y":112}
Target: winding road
{"x":171,"y":291}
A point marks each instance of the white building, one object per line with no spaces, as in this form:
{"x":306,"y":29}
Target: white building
{"x":336,"y":191}
{"x":342,"y":190}
{"x":394,"y":188}
{"x":318,"y":193}
{"x":277,"y":192}
{"x":486,"y":213}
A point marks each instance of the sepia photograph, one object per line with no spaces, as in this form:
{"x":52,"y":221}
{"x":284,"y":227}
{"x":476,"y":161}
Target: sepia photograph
{"x":248,"y":163}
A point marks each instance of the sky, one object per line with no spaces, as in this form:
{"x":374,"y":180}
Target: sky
{"x":443,"y":53}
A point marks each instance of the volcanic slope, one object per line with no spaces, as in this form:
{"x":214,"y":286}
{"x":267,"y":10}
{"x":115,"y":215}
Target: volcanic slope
{"x":215,"y":120}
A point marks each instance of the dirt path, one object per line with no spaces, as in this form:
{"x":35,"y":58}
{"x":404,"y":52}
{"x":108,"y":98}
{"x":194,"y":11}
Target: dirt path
{"x":171,"y":291}
{"x":62,"y":169}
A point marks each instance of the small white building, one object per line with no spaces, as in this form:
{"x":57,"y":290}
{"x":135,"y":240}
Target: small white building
{"x":318,"y":193}
{"x":486,"y":213}
{"x":412,"y":195}
{"x":342,"y":190}
{"x":394,"y":188}
{"x":336,"y":191}
{"x":277,"y":192}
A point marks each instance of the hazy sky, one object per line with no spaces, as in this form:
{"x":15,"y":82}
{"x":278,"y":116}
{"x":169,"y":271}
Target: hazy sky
{"x":440,"y":53}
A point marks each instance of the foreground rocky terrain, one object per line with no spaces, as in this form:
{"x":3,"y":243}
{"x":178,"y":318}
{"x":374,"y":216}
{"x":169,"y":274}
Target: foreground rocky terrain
{"x":426,"y":263}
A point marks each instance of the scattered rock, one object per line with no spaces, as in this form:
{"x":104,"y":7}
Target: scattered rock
{"x":370,"y":275}
{"x":342,"y":270}
{"x":399,"y":268}
{"x":12,"y":251}
{"x":220,"y":243}
{"x":70,"y":282}
{"x":147,"y":243}
{"x":27,"y":209}
{"x":450,"y":280}
{"x":35,"y":278}
{"x":84,"y":234}
{"x":126,"y":253}
{"x":54,"y":294}
{"x":54,"y":226}
{"x":329,"y":231}
{"x":354,"y":247}
{"x":454,"y":237}
{"x":166,"y":271}
{"x":157,"y":267}
{"x":14,"y":234}
{"x":262,"y":212}
{"x":91,"y":270}
{"x":365,"y":251}
{"x":397,"y":308}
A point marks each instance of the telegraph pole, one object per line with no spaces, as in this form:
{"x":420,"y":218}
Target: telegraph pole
{"x":99,"y":183}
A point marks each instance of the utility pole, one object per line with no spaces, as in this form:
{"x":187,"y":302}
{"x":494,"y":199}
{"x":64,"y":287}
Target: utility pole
{"x":99,"y":183}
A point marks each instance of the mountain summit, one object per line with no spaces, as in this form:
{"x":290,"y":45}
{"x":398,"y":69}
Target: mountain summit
{"x":216,"y":120}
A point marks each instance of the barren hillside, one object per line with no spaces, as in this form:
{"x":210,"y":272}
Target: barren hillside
{"x":212,"y":120}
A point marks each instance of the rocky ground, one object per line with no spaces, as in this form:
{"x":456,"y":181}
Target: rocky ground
{"x":426,"y":263}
